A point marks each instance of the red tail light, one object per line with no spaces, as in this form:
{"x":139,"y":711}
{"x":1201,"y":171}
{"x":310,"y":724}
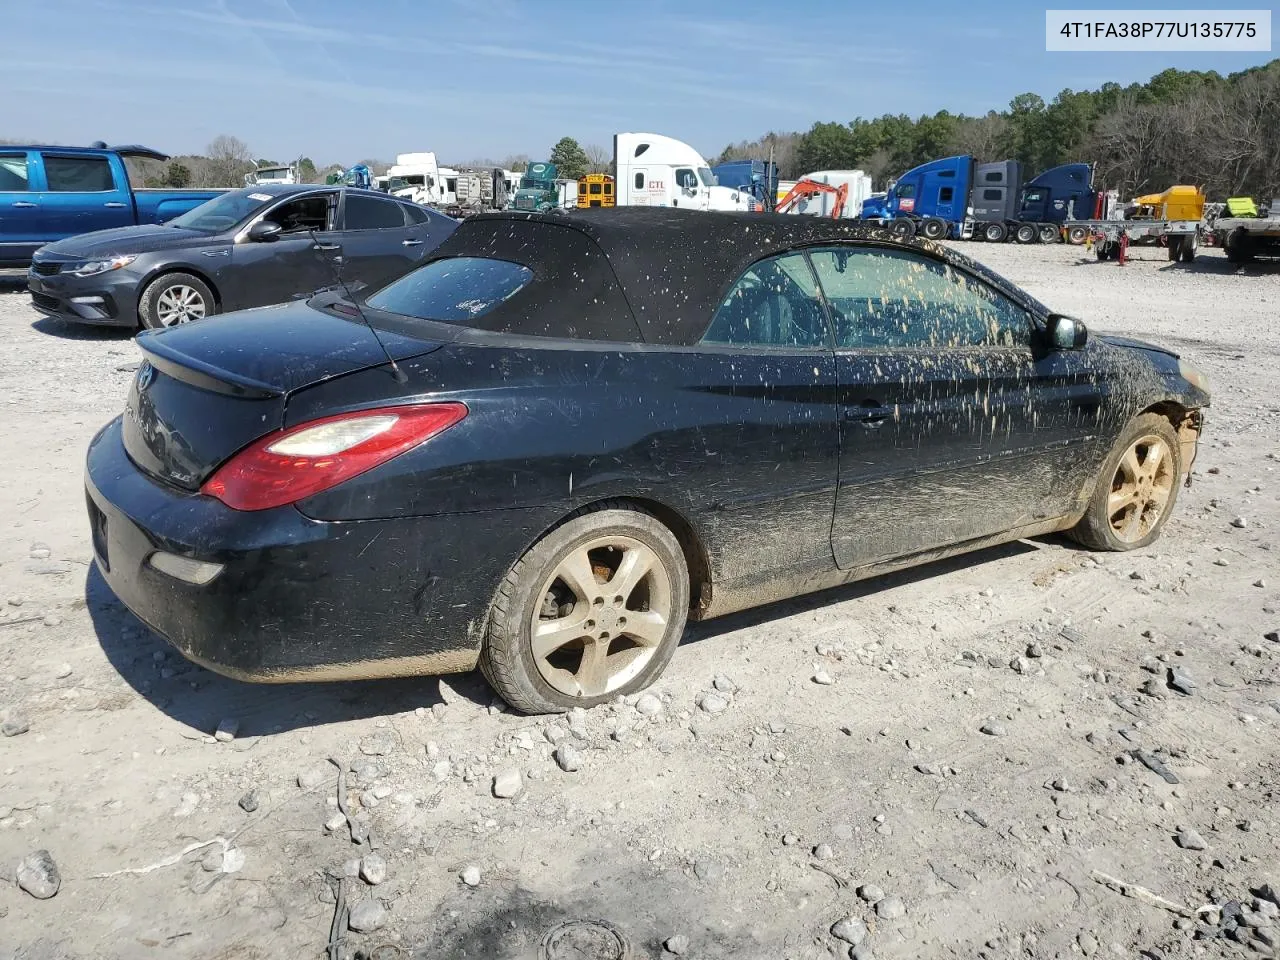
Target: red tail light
{"x":293,"y":464}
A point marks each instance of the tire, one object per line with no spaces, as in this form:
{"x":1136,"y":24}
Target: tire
{"x":160,"y":307}
{"x":1026,"y":233}
{"x":537,"y":589}
{"x":1112,"y":523}
{"x":1077,"y":236}
{"x":902,"y":228}
{"x":994,"y":233}
{"x":1175,"y":249}
{"x":1189,"y":246}
{"x":934,"y":229}
{"x":1049,"y":233}
{"x":1102,"y":249}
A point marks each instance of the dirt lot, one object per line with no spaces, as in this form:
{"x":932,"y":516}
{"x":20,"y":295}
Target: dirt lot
{"x":743,"y":824}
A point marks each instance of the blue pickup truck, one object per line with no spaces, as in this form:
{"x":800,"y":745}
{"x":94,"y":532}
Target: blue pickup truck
{"x":51,"y":193}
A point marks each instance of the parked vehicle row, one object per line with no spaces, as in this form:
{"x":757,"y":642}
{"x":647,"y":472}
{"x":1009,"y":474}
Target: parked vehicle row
{"x":245,"y":248}
{"x":531,"y":455}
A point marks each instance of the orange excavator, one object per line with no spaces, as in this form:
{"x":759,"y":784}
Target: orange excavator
{"x":804,"y":189}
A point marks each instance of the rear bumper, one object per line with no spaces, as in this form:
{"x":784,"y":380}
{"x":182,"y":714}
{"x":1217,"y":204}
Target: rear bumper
{"x":109,"y":300}
{"x":297,"y":599}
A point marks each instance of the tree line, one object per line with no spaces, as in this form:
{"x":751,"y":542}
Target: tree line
{"x":1181,"y":126}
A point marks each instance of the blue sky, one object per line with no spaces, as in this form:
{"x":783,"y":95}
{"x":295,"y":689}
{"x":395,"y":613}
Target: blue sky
{"x":341,"y":81}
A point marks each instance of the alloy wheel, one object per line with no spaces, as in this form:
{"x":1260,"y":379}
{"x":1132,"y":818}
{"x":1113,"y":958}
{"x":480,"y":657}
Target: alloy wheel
{"x":602,"y":615}
{"x":179,"y":304}
{"x":1140,"y":489}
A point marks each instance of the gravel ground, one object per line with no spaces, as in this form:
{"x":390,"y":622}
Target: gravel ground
{"x":969,"y":784}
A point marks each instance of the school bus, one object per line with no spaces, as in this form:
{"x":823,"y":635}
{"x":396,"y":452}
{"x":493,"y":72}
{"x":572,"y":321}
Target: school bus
{"x":596,"y":190}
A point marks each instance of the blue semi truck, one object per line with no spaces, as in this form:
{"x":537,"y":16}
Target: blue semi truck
{"x":959,"y":198}
{"x":758,"y":178}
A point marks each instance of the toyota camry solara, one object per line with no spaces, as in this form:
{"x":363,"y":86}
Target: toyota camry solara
{"x":563,"y":436}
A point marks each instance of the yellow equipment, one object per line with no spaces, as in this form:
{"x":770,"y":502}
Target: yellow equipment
{"x":596,"y":190}
{"x":1176,"y":203}
{"x":1241,"y":207}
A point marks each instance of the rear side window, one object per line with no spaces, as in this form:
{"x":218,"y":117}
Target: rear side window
{"x":13,"y":173}
{"x":370,"y":213}
{"x":773,"y":304}
{"x":78,"y":174}
{"x":418,"y":214}
{"x":884,"y":298}
{"x":945,"y":194}
{"x":456,"y":290}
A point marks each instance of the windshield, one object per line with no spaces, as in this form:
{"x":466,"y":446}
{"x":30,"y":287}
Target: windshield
{"x":453,"y":290}
{"x":706,"y":176}
{"x":268,"y":174}
{"x":533,"y":183}
{"x":224,"y":212}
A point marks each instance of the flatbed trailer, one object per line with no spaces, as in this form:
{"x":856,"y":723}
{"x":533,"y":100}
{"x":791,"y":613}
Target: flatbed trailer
{"x":1111,"y":238}
{"x":1243,"y":238}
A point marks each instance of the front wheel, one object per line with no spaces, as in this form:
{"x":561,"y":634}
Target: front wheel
{"x":173,"y":299}
{"x":593,"y":611}
{"x":1136,"y":489}
{"x":1049,"y":233}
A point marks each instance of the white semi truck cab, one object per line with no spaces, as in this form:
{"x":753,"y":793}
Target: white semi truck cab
{"x":658,"y":171}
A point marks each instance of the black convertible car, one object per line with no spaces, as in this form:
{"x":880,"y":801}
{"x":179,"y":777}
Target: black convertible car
{"x":562,"y":436}
{"x":245,"y":248}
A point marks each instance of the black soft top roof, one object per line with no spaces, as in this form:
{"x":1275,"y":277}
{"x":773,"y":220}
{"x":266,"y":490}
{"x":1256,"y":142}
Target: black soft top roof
{"x":673,"y":265}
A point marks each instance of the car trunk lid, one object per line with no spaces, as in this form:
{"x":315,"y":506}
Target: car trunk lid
{"x":205,"y":390}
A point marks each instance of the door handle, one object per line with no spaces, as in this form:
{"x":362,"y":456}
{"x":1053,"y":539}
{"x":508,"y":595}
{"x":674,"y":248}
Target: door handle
{"x":327,"y":246}
{"x":114,"y":204}
{"x":870,"y":413}
{"x":410,"y":243}
{"x":24,"y":205}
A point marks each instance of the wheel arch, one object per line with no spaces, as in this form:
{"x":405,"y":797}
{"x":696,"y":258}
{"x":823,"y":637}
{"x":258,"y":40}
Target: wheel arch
{"x":1186,"y":422}
{"x":157,"y":272}
{"x":683,"y":529}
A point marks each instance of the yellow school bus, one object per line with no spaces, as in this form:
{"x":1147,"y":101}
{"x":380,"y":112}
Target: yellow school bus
{"x":596,"y":190}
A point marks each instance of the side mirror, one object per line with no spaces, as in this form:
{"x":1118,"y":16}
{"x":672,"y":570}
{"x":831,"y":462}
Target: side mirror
{"x":1067,"y":333}
{"x":264,"y":231}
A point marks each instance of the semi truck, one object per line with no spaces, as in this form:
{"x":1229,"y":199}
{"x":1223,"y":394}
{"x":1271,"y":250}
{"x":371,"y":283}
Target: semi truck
{"x":960,"y":198}
{"x":657,"y":171}
{"x":756,"y":178}
{"x":956,"y":197}
{"x":541,"y":188}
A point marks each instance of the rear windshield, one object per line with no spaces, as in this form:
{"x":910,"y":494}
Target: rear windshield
{"x":530,"y":278}
{"x":456,"y":290}
{"x":224,"y":212}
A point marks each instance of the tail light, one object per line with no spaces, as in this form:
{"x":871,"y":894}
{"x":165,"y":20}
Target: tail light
{"x":293,"y":464}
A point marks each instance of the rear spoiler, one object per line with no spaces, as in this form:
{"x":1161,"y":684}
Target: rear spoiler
{"x":206,"y":376}
{"x":132,"y":150}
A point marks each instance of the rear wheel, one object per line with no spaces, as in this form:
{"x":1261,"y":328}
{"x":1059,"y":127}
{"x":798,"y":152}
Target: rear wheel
{"x":1026,"y":233}
{"x":173,"y":299}
{"x":934,"y":229}
{"x":1077,"y":235}
{"x":1048,"y":233}
{"x":1175,"y":249}
{"x":1189,"y":246}
{"x":1136,"y":489}
{"x":593,"y":611}
{"x":994,"y":232}
{"x":902,"y":228}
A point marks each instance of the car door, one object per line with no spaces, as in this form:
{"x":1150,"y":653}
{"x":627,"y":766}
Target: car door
{"x":955,"y":423}
{"x":768,"y":449}
{"x":305,"y":256}
{"x":379,"y":241}
{"x":20,"y":228}
{"x":83,"y":193}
